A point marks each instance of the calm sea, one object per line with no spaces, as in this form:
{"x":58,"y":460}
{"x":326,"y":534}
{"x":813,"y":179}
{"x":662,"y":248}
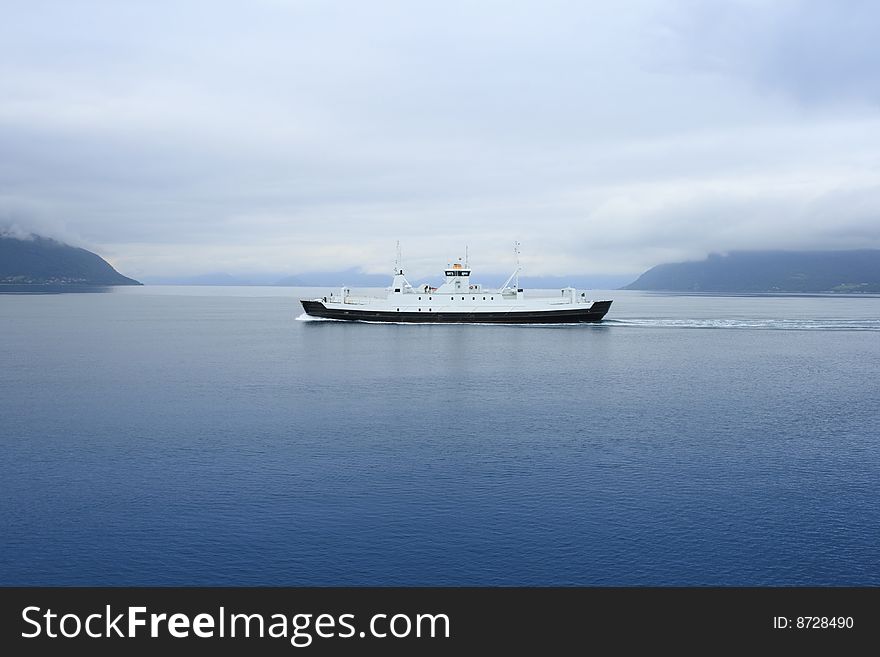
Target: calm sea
{"x":167,"y":435}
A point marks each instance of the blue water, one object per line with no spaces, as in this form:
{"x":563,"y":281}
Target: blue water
{"x":206,"y":436}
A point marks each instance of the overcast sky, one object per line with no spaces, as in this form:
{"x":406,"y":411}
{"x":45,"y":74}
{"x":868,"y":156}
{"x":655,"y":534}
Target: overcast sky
{"x":289,"y":136}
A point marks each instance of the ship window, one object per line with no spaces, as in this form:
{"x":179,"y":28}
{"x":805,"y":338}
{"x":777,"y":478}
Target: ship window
{"x":462,"y":298}
{"x":473,"y":298}
{"x":397,"y":289}
{"x":429,"y":298}
{"x":429,"y":310}
{"x":484,"y":298}
{"x":398,"y":310}
{"x":420,"y":298}
{"x":452,"y":298}
{"x":491,"y":298}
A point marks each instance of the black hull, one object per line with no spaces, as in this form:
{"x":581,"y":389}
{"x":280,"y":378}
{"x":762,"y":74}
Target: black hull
{"x":568,"y":316}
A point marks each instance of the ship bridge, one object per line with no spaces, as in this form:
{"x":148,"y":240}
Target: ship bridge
{"x":457,"y":270}
{"x":458,"y":279}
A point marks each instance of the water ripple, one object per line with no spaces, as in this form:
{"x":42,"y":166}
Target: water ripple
{"x":753,"y":324}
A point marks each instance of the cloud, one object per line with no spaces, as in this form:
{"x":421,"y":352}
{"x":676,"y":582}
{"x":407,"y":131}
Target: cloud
{"x":817,"y":53}
{"x":302,"y":136}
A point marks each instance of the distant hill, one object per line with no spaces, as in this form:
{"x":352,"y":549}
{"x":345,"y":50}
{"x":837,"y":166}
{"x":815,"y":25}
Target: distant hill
{"x":769,"y":271}
{"x":217,"y":278}
{"x":351,"y":277}
{"x":43,"y":261}
{"x":580,"y":281}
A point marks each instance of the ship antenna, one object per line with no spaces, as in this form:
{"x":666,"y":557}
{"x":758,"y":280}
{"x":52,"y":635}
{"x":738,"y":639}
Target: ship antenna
{"x":397,"y":266}
{"x":516,"y":254}
{"x":515,"y":275}
{"x":466,"y":266}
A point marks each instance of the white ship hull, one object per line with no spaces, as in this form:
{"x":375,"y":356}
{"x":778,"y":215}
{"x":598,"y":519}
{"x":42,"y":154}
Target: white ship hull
{"x":525,"y":313}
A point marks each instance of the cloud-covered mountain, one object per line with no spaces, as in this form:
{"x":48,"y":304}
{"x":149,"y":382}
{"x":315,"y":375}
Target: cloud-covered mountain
{"x":38,"y":260}
{"x":769,"y":271}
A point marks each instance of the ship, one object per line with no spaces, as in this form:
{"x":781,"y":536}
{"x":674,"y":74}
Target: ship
{"x":458,"y":301}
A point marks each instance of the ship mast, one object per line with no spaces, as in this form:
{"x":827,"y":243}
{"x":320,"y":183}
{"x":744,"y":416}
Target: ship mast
{"x":399,"y":283}
{"x":515,"y":275}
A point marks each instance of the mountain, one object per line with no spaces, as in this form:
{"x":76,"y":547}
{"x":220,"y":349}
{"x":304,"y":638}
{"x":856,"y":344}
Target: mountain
{"x":580,"y":281}
{"x":217,"y":278}
{"x":769,"y":271}
{"x":39,"y":260}
{"x":352,"y":277}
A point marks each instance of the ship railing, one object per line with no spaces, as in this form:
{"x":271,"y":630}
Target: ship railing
{"x":353,"y":300}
